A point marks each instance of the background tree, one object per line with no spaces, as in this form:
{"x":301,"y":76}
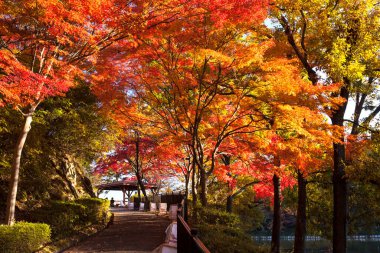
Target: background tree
{"x":68,"y":134}
{"x":38,"y":55}
{"x":338,"y":39}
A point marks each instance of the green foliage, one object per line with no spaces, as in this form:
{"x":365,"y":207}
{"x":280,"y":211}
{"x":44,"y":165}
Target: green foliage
{"x":217,"y":217}
{"x":364,"y":175}
{"x":320,"y":205}
{"x":23,"y":237}
{"x":249,"y":211}
{"x":63,"y":217}
{"x":221,"y":231}
{"x":289,"y":201}
{"x":96,"y":209}
{"x":220,"y":239}
{"x":68,"y":217}
{"x":64,"y":129}
{"x":364,"y":208}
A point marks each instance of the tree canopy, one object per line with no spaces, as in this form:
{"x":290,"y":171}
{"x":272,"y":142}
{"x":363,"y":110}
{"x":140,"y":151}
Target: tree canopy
{"x":246,"y":97}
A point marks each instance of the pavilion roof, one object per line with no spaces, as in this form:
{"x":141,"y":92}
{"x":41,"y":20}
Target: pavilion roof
{"x":126,"y":184}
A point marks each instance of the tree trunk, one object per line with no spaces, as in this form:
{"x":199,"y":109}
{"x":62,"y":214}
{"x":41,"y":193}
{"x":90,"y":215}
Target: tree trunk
{"x":193,"y":185}
{"x":300,"y":233}
{"x":230,"y":199}
{"x":340,"y":201}
{"x":187,"y":179}
{"x":276,"y":227}
{"x":203,"y":184}
{"x":13,"y":183}
{"x":185,"y":206}
{"x":340,"y":183}
{"x":138,"y":168}
{"x":141,"y":186}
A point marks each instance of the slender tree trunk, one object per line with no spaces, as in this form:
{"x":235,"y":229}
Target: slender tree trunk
{"x":138,"y":168}
{"x":185,"y":206}
{"x":339,"y":183}
{"x":193,"y":185}
{"x":187,"y":179}
{"x":229,"y":203}
{"x":13,"y":183}
{"x":276,"y":227}
{"x":141,"y":186}
{"x":230,"y":198}
{"x":203,"y":184}
{"x":300,"y":233}
{"x":232,"y":195}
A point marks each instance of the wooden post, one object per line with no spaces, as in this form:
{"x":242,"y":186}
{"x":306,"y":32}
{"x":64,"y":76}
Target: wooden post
{"x":123,"y":190}
{"x":129,"y":194}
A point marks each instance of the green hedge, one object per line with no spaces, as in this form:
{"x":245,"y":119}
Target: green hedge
{"x":67,"y":217}
{"x":23,"y":237}
{"x":63,"y":217}
{"x":96,"y":209}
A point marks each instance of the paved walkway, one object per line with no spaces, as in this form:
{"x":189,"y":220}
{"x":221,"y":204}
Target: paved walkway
{"x":131,"y":232}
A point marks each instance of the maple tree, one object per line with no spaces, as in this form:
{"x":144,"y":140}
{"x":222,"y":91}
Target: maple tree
{"x":195,"y":107}
{"x":338,"y":39}
{"x":183,"y":96}
{"x":44,"y":44}
{"x":185,"y":83}
{"x":204,"y":90}
{"x":137,"y":155}
{"x":295,"y":109}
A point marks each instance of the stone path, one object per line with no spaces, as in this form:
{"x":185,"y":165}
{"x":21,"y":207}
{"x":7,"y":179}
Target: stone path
{"x":131,"y":232}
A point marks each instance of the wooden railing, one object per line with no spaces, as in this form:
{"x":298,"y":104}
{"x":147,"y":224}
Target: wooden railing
{"x":187,"y":239}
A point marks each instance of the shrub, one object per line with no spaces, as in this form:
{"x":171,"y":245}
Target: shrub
{"x":63,"y":217}
{"x":96,"y":209}
{"x":220,"y":239}
{"x":217,"y":217}
{"x":23,"y":237}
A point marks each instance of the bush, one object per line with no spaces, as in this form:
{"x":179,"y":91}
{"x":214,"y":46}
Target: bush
{"x":96,"y":209}
{"x":63,"y":217}
{"x":217,"y":217}
{"x":23,"y":237}
{"x":223,"y":232}
{"x":220,"y":239}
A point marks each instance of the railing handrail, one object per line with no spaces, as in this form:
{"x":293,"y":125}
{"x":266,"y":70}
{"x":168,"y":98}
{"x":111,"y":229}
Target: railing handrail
{"x":201,"y":248}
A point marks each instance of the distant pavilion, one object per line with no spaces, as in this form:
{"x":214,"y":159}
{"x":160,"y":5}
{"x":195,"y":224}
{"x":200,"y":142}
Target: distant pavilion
{"x":127,"y":186}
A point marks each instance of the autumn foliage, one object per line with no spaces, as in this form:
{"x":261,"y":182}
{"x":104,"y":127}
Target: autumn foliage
{"x":201,"y":90}
{"x":212,"y":82}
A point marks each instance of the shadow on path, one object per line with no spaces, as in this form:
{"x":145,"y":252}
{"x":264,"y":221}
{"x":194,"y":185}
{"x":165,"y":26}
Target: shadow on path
{"x":130,"y":232}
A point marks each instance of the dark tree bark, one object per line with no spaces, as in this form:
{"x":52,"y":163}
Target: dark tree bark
{"x":340,"y":183}
{"x":230,"y":200}
{"x":138,"y":168}
{"x":276,"y":227}
{"x":340,"y":201}
{"x":203,"y":186}
{"x":300,"y":233}
{"x":141,"y":185}
{"x":227,"y":161}
{"x":193,"y":184}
